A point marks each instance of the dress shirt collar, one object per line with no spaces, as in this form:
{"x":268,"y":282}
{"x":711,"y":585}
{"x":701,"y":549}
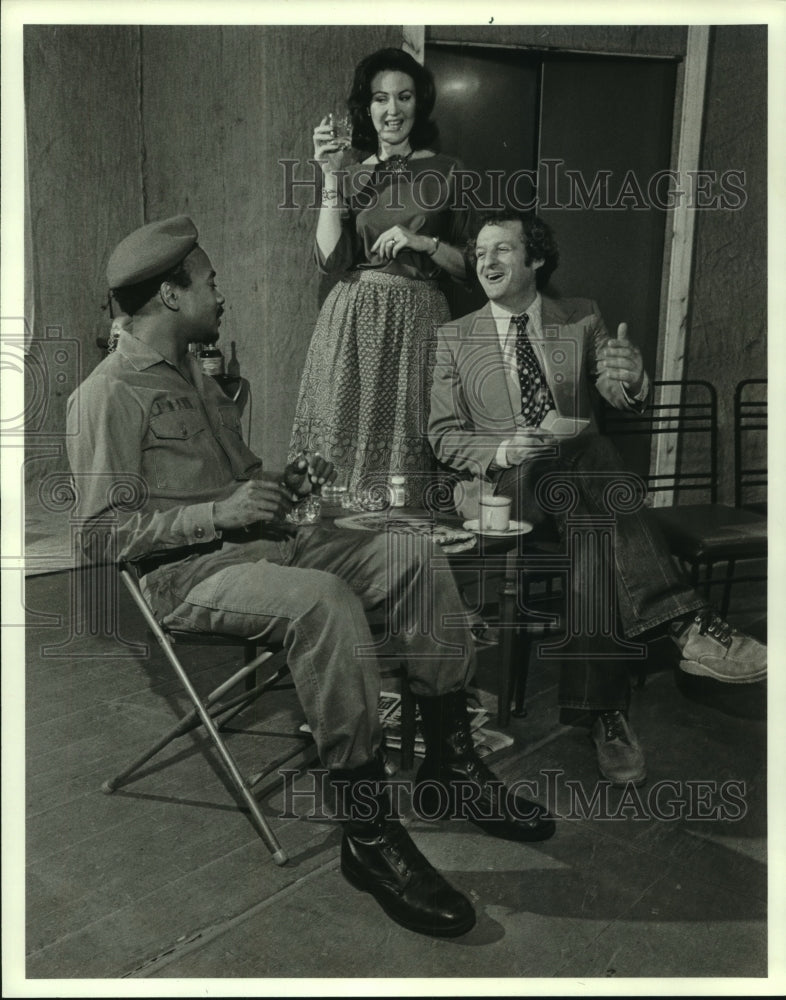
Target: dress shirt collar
{"x":502,"y":318}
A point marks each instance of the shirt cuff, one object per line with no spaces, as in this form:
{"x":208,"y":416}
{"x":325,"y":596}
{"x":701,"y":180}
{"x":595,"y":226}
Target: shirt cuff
{"x":501,"y":456}
{"x":642,"y":394}
{"x":217,"y":532}
{"x":198,"y":523}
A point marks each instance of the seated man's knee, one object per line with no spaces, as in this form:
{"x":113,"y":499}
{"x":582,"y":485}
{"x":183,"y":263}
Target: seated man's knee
{"x":323,"y":594}
{"x":331,"y":590}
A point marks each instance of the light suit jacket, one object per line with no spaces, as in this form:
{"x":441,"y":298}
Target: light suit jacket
{"x":474,"y":401}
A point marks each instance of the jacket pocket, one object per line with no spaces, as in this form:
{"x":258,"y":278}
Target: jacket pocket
{"x":175,"y":450}
{"x":177,"y":425}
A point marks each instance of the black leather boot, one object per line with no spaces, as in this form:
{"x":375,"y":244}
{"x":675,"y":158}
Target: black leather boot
{"x":453,"y":781}
{"x":379,"y":856}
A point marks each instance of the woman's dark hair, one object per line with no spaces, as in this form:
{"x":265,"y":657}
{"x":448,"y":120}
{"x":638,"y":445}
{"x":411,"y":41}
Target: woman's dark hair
{"x":133,"y":297}
{"x":424,"y":131}
{"x":538,"y":237}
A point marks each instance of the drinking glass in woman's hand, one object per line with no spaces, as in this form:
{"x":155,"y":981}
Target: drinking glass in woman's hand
{"x":342,"y":128}
{"x":328,"y":151}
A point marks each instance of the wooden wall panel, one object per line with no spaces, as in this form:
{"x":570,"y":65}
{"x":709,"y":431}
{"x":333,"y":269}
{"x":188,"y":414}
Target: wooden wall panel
{"x":221,"y":106}
{"x":83,"y":132}
{"x":727,"y":338}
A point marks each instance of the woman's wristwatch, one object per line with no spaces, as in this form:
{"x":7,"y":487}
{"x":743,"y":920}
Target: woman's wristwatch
{"x":433,"y":250}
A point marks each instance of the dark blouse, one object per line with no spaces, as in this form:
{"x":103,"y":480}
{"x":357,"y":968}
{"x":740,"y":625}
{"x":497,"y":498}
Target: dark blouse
{"x":424,"y":199}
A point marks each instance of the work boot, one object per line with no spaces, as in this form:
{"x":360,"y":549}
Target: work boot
{"x":378,"y":856}
{"x":454,"y":781}
{"x":620,"y":757}
{"x":710,"y":647}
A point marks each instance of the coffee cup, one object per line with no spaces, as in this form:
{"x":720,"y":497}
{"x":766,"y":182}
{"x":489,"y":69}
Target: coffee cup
{"x":494,"y":513}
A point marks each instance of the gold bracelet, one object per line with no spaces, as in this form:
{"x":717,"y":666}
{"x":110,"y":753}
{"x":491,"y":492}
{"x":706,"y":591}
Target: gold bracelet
{"x":436,"y":246}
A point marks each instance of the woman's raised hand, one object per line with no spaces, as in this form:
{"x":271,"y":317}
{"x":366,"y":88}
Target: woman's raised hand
{"x":328,"y":151}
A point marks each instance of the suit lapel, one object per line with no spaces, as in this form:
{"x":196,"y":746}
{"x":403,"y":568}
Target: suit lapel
{"x":560,"y":352}
{"x":493,"y":399}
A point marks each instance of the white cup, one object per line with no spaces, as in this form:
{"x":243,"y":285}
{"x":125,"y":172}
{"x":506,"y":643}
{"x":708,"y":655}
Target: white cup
{"x":494,"y":513}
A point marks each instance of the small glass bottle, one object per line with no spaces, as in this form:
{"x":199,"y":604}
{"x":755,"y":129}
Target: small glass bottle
{"x":398,"y":492}
{"x":211,"y":361}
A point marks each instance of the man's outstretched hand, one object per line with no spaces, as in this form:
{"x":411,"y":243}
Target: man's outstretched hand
{"x":621,"y":360}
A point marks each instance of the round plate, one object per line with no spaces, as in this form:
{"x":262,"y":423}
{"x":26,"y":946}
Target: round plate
{"x":514,"y":528}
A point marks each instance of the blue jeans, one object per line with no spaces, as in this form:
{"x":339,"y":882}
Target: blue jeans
{"x":311,"y":592}
{"x":647,"y":589}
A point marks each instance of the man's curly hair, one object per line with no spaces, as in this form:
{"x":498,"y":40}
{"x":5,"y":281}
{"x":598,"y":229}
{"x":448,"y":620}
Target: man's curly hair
{"x":538,"y":238}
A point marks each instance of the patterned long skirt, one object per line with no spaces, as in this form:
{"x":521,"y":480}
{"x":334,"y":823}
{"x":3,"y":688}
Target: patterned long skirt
{"x":364,"y":394}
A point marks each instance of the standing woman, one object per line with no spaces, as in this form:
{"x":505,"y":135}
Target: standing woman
{"x":390,"y":226}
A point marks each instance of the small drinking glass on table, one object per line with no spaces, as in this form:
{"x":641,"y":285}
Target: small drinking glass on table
{"x":307,"y":511}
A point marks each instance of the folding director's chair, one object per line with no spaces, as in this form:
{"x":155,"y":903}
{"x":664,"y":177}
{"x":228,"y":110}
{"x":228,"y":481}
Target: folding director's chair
{"x":214,"y":711}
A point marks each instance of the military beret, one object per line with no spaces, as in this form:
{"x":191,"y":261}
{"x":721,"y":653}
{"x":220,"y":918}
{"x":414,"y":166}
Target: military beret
{"x":151,"y":250}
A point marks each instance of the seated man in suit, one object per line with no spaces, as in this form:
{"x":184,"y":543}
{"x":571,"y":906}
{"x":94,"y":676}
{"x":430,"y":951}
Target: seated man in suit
{"x":208,"y":534}
{"x":498,"y":373}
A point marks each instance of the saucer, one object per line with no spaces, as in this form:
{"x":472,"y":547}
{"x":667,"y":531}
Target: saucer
{"x":514,"y":528}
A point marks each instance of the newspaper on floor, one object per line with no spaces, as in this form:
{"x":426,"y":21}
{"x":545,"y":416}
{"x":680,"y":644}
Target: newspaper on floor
{"x":487,"y":741}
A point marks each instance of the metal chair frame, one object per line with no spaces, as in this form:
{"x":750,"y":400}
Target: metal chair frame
{"x":214,"y":711}
{"x":678,"y":418}
{"x":681,"y":417}
{"x":749,"y":415}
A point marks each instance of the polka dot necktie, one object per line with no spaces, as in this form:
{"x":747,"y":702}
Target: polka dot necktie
{"x":536,"y":398}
